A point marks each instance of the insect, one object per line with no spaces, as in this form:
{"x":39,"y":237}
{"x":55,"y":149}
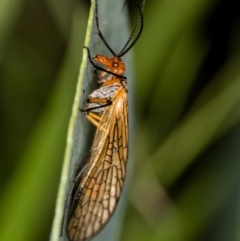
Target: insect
{"x":97,"y":188}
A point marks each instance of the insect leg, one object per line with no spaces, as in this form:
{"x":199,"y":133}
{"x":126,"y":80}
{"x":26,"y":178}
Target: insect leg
{"x":67,"y":199}
{"x":92,"y":117}
{"x":98,"y":104}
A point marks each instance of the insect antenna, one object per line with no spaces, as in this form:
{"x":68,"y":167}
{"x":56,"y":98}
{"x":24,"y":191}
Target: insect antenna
{"x":100,"y":33}
{"x":126,"y":48}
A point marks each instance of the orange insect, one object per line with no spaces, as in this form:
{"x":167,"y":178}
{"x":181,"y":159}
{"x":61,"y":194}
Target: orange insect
{"x":97,"y":188}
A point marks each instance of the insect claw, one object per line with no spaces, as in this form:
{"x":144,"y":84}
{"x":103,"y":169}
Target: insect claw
{"x":82,"y":110}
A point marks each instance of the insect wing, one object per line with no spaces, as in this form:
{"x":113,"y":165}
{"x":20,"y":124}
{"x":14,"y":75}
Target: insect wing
{"x":100,"y":188}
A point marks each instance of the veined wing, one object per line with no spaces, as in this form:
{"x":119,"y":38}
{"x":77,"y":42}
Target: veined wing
{"x":100,"y":188}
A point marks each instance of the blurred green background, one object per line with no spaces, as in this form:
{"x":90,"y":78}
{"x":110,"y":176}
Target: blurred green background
{"x":185,"y":184}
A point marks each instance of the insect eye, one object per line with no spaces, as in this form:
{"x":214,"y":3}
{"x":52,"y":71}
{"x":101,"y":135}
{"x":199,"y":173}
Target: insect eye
{"x":115,"y":64}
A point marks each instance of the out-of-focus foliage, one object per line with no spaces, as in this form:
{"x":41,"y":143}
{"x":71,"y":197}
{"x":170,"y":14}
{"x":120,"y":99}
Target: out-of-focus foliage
{"x":186,"y":150}
{"x":41,"y":48}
